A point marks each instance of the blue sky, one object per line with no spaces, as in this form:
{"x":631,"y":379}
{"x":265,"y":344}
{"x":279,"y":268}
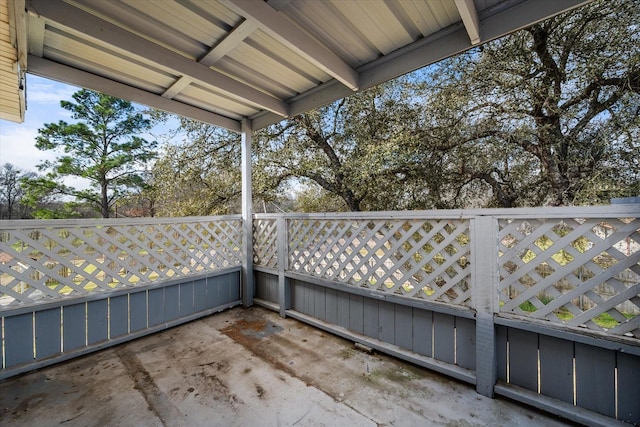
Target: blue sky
{"x":17,"y":140}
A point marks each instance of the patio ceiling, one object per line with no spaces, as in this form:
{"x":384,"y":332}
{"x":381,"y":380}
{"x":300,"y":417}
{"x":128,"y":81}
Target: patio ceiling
{"x":223,"y":61}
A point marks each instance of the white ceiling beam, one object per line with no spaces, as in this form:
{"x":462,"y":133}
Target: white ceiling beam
{"x":226,"y":45}
{"x":233,"y":39}
{"x":92,"y":26}
{"x":282,"y":29}
{"x":35,"y":37}
{"x":56,"y":71}
{"x":469,"y":15}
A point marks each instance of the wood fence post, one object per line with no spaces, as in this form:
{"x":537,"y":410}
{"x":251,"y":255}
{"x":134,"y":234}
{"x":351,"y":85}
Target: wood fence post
{"x":284,"y":293}
{"x":484,"y":292}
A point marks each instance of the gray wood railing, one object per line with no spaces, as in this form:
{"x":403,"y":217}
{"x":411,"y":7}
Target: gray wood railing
{"x":540,"y":305}
{"x":71,"y":287}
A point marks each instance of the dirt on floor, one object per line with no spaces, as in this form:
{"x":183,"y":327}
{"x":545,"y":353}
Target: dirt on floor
{"x":248,"y":367}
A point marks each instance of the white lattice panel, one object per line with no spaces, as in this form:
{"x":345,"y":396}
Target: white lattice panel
{"x":580,"y":272}
{"x":265,"y":250}
{"x":53,"y":262}
{"x":418,"y":258}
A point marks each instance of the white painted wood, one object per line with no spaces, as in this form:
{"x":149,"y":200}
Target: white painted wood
{"x":469,"y":15}
{"x":247,"y":215}
{"x":57,"y":260}
{"x":53,"y":70}
{"x":105,"y":32}
{"x":278,"y":26}
{"x":235,"y":37}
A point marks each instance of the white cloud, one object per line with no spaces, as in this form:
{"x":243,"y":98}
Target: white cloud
{"x":42,"y":91}
{"x":17,"y":146}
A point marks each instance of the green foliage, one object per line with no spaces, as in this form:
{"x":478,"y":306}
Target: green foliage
{"x":543,"y":117}
{"x":103,"y":148}
{"x":351,"y":148}
{"x":12,"y":191}
{"x":546,"y":116}
{"x":201,"y":176}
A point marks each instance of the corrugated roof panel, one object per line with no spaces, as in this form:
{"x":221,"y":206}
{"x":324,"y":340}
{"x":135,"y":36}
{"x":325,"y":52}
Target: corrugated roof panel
{"x":423,"y":15}
{"x":246,"y":75}
{"x":260,"y":57}
{"x":444,"y":12}
{"x":405,"y":18}
{"x":324,"y":21}
{"x":190,"y":31}
{"x":358,"y":17}
{"x":394,"y":30}
{"x":261,"y":64}
{"x":280,"y":53}
{"x":66,"y":47}
{"x":204,"y":98}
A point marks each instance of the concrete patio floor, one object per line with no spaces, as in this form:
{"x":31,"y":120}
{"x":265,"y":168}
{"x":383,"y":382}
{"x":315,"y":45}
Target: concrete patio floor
{"x":248,"y":367}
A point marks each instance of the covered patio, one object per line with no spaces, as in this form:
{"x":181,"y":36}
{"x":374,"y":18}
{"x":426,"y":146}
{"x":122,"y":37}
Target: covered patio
{"x":502,"y":300}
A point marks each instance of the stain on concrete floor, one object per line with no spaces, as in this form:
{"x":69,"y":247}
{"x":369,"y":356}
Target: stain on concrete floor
{"x":248,"y":367}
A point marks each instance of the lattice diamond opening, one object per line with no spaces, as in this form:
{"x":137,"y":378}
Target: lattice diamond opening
{"x":427,"y":259}
{"x":580,"y":272}
{"x":265,"y":249}
{"x":67,"y":261}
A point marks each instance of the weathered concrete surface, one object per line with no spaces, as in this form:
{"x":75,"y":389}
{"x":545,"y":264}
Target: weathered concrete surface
{"x":248,"y":367}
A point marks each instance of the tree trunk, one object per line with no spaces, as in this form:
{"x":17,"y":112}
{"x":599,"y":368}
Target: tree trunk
{"x":104,"y":202}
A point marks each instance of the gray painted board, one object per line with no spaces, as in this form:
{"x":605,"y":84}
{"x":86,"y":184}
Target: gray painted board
{"x":48,"y":333}
{"x":331,"y":305}
{"x":187,"y":305}
{"x":297,"y":293}
{"x":119,"y":316}
{"x":155,"y":309}
{"x":18,"y":339}
{"x":223,"y":289}
{"x":213,"y":297}
{"x":319,"y":302}
{"x":261,"y":285}
{"x":272,"y":294}
{"x":138,"y":311}
{"x":501,"y":352}
{"x":629,"y":388}
{"x":422,"y":331}
{"x":443,"y":337}
{"x":466,"y":343}
{"x":171,"y":303}
{"x":309,"y":298}
{"x":404,"y":327}
{"x":73,"y":326}
{"x":595,"y":379}
{"x":343,"y":309}
{"x":370,"y":317}
{"x":523,"y":359}
{"x":266,"y":286}
{"x":556,"y":368}
{"x":97,"y":321}
{"x":200,"y":295}
{"x":233,"y":281}
{"x":386,"y":321}
{"x":356,"y":315}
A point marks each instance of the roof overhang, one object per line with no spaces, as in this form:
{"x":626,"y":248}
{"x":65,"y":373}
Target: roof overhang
{"x":225,"y":61}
